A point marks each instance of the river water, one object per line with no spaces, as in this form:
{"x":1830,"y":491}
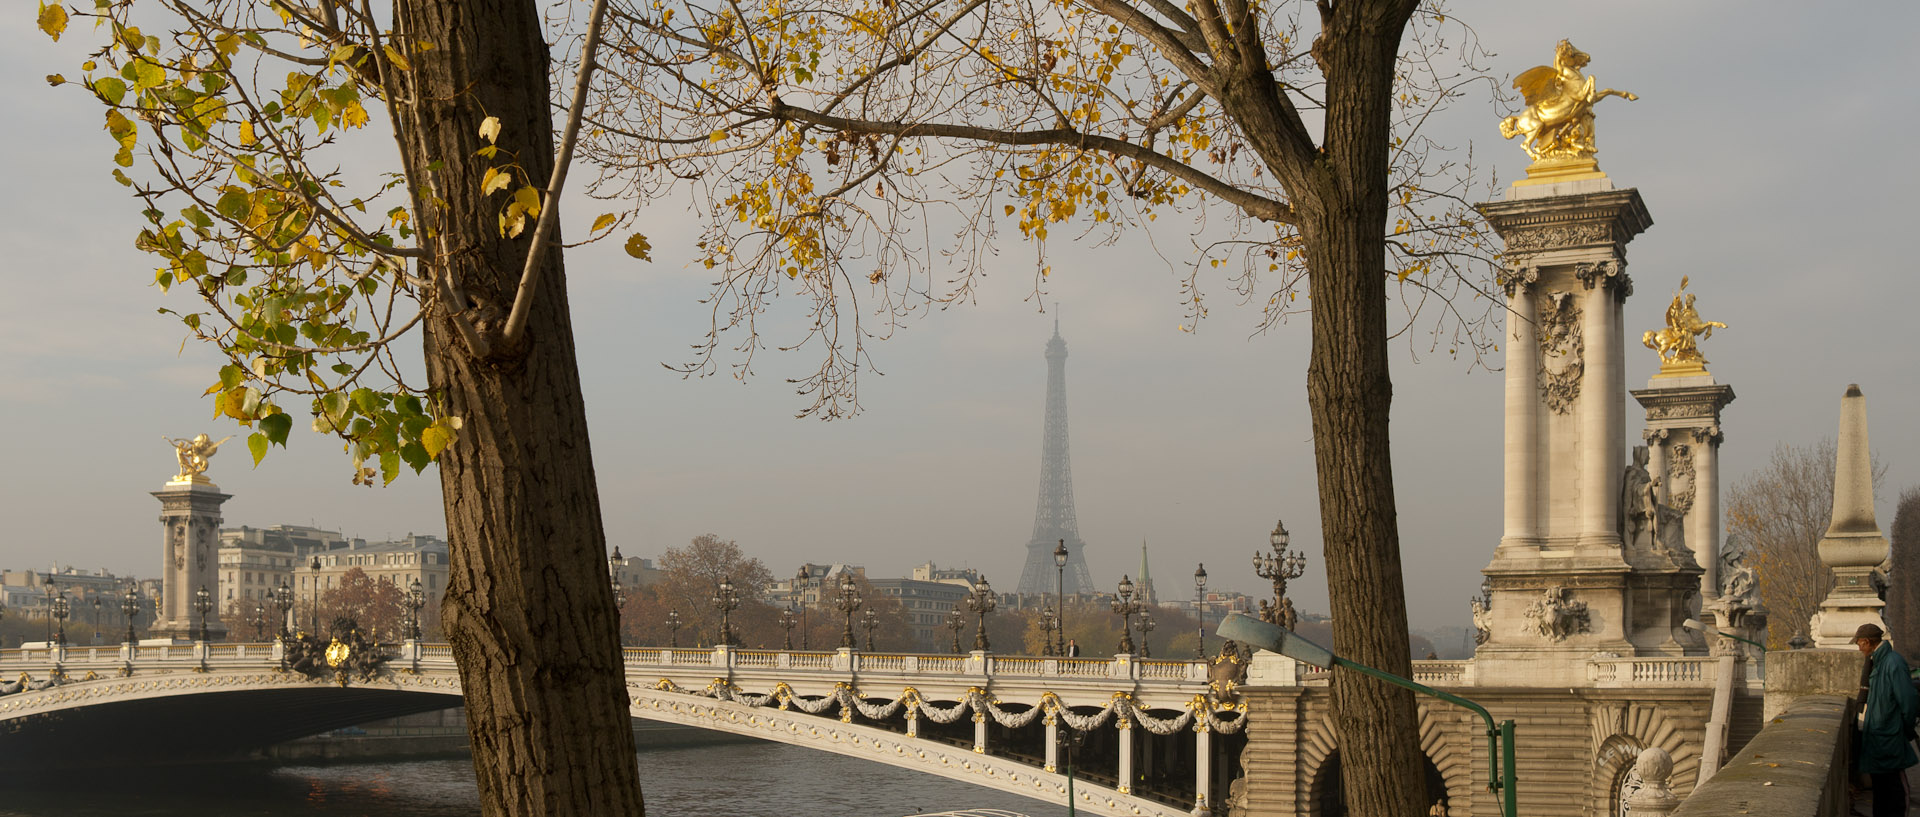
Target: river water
{"x":715,"y":780}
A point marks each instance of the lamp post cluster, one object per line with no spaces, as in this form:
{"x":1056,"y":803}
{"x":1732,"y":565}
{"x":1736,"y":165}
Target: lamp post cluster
{"x":130,"y":605}
{"x":1280,"y":566}
{"x":416,"y":599}
{"x":283,"y":600}
{"x":726,"y":600}
{"x":1200,"y":611}
{"x":801,"y":581}
{"x":982,"y":601}
{"x":871,"y":621}
{"x":955,"y":623}
{"x":60,"y":610}
{"x":673,"y":629}
{"x":202,"y":604}
{"x":1060,"y":597}
{"x":848,"y":602}
{"x":787,"y":620}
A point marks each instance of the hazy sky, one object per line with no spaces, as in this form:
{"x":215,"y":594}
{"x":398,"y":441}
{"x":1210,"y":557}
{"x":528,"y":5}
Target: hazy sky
{"x":1771,"y":144}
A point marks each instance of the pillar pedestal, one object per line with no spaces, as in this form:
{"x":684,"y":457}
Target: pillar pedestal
{"x":190,"y":558}
{"x":1853,"y":545}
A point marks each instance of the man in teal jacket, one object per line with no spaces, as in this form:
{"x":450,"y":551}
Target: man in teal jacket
{"x":1887,"y":729}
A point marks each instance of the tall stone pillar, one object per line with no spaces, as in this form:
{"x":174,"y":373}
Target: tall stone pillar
{"x":1853,"y":545}
{"x":190,"y":557}
{"x":1674,"y":536}
{"x":1559,"y":575}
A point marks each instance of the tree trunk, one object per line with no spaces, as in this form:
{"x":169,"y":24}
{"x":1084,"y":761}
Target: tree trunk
{"x":528,"y":609}
{"x":1350,"y":392}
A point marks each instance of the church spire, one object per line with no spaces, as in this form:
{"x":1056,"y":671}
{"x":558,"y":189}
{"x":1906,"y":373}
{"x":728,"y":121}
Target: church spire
{"x":1146,"y":578}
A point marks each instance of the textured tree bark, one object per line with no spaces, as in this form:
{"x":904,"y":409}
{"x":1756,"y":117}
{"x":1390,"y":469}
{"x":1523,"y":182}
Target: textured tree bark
{"x":1350,"y":394}
{"x":527,"y":609}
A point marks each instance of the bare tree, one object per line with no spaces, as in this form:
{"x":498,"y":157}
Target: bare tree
{"x":1778,"y":514}
{"x":832,"y":138}
{"x":1903,"y":592}
{"x":690,"y":576}
{"x":305,"y":253}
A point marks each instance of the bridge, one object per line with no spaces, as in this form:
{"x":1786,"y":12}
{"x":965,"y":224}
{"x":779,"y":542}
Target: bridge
{"x":1148,"y":737}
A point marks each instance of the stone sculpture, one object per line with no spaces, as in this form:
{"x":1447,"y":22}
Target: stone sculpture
{"x":193,"y":456}
{"x":1555,"y":615}
{"x":1562,"y":351}
{"x":1678,"y":343}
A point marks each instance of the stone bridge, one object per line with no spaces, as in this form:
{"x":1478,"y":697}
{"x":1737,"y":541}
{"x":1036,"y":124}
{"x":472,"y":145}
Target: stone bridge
{"x":1152,"y":738}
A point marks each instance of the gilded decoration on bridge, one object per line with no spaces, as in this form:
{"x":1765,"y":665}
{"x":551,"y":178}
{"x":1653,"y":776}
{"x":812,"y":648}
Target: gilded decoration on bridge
{"x":347,"y":656}
{"x":1558,"y":121}
{"x":193,"y":456}
{"x":1678,"y":342}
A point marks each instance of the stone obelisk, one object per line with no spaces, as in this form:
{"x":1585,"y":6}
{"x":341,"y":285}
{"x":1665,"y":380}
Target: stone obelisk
{"x":190,"y":542}
{"x":1853,"y":546}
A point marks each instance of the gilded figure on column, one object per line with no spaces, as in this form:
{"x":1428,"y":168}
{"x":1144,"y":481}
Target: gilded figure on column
{"x":1558,"y":121}
{"x":1678,"y":343}
{"x":194,"y":456}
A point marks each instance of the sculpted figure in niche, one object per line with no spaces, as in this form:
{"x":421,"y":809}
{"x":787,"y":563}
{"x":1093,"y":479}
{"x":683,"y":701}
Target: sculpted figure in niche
{"x":1648,"y":526}
{"x":1482,"y":621}
{"x":1555,"y":615}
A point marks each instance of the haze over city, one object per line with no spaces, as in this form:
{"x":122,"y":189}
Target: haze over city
{"x":1776,"y":182}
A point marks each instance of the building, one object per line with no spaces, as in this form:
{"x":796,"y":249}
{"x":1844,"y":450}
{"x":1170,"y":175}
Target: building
{"x":253,"y":561}
{"x":926,"y":604}
{"x":633,"y":572}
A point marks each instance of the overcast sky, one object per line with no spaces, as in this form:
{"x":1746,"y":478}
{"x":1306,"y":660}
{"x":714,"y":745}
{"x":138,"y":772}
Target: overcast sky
{"x":1772,"y":146}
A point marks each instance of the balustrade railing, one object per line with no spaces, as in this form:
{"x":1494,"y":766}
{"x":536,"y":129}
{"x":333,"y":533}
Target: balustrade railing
{"x":1652,"y":671}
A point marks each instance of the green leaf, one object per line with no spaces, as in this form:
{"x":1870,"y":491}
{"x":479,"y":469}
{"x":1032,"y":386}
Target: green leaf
{"x":257,"y":445}
{"x":276,"y":426}
{"x":335,"y":407}
{"x":389,"y":466}
{"x":415,"y":456}
{"x":231,"y":375}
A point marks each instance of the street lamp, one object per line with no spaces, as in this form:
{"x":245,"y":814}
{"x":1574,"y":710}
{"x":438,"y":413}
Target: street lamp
{"x":1048,"y":620}
{"x":871,"y":621}
{"x":982,"y":602}
{"x":801,"y":580}
{"x":1279,"y":566}
{"x":1268,"y":636}
{"x":416,"y":599}
{"x":787,"y":620}
{"x":1694,"y":624}
{"x":283,"y":599}
{"x":1060,"y":596}
{"x":956,"y":622}
{"x":60,"y":610}
{"x":1124,"y":606}
{"x":96,"y":617}
{"x":1200,"y":610}
{"x":848,"y":602}
{"x":726,"y":601}
{"x":130,"y":604}
{"x":259,"y":621}
{"x":1146,"y":626}
{"x":673,"y":629}
{"x":313,"y":596}
{"x":203,"y":604}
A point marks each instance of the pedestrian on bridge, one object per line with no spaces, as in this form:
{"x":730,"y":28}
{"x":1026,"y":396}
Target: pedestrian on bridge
{"x":1887,"y":722}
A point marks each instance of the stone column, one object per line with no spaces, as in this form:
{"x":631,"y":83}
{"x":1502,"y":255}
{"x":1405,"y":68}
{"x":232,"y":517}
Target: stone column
{"x":190,"y":557}
{"x":1602,"y":421}
{"x":1053,"y":743}
{"x":1683,"y":415}
{"x":1202,"y":766}
{"x":1853,"y":546}
{"x":1703,"y":520}
{"x":1522,"y":452}
{"x":979,"y":733}
{"x":1125,"y":772}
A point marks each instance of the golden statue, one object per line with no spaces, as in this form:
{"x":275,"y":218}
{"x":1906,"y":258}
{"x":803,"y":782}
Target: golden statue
{"x":1678,"y":343}
{"x":193,"y":455}
{"x":1558,"y":121}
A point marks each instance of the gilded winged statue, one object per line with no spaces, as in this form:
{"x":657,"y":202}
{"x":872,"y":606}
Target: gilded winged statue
{"x":1558,"y":121}
{"x":194,"y":455}
{"x":1678,"y":343}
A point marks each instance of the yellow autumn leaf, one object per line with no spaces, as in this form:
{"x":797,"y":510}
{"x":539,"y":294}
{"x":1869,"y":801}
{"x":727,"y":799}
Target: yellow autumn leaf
{"x":495,"y":181}
{"x":246,"y":134}
{"x":529,"y":200}
{"x":638,"y":247}
{"x":53,"y":20}
{"x":399,"y":60}
{"x":717,"y":136}
{"x":436,"y":438}
{"x":490,"y":129}
{"x":604,"y":221}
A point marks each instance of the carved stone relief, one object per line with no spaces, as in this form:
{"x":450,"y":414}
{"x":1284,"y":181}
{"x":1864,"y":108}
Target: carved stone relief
{"x":1681,"y":477}
{"x":1555,"y":615}
{"x":1519,"y":278}
{"x":179,"y":547}
{"x":1559,"y":235}
{"x":1605,"y":275}
{"x":1562,"y":351}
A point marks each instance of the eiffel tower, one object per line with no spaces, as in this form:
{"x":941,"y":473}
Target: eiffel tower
{"x":1053,"y":517}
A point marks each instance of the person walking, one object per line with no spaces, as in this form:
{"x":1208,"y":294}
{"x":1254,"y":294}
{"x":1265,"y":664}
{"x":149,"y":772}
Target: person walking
{"x":1887,"y":722}
{"x":1073,"y":648}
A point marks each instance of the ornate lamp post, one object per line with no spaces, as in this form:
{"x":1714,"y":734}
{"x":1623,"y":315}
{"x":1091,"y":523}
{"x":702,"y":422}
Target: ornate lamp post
{"x":848,"y":602}
{"x":416,"y":599}
{"x":801,"y":581}
{"x":955,"y":622}
{"x":259,"y":621}
{"x":283,"y":599}
{"x":726,"y":601}
{"x":787,"y":620}
{"x":871,"y":621}
{"x":1124,"y":606}
{"x":202,"y":604}
{"x":673,"y":629}
{"x":60,"y":610}
{"x":1200,"y":610}
{"x":982,"y":602}
{"x":130,"y":604}
{"x":1060,"y":596}
{"x":96,"y":618}
{"x":619,"y":602}
{"x":1146,"y":626}
{"x":1280,"y":566}
{"x":313,"y":597}
{"x":1048,"y":620}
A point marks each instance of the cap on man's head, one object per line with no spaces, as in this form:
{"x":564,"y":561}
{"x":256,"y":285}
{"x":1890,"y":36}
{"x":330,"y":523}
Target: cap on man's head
{"x":1871,"y":632}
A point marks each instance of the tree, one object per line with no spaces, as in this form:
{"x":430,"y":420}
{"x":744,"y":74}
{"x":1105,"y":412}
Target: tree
{"x":304,"y":276}
{"x":373,"y":604}
{"x":689,"y":577}
{"x":1777,"y":515}
{"x":1903,"y":593}
{"x":829,"y":136}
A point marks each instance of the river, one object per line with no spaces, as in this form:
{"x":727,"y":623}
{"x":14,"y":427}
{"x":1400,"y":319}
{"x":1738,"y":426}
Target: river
{"x":715,"y":780}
